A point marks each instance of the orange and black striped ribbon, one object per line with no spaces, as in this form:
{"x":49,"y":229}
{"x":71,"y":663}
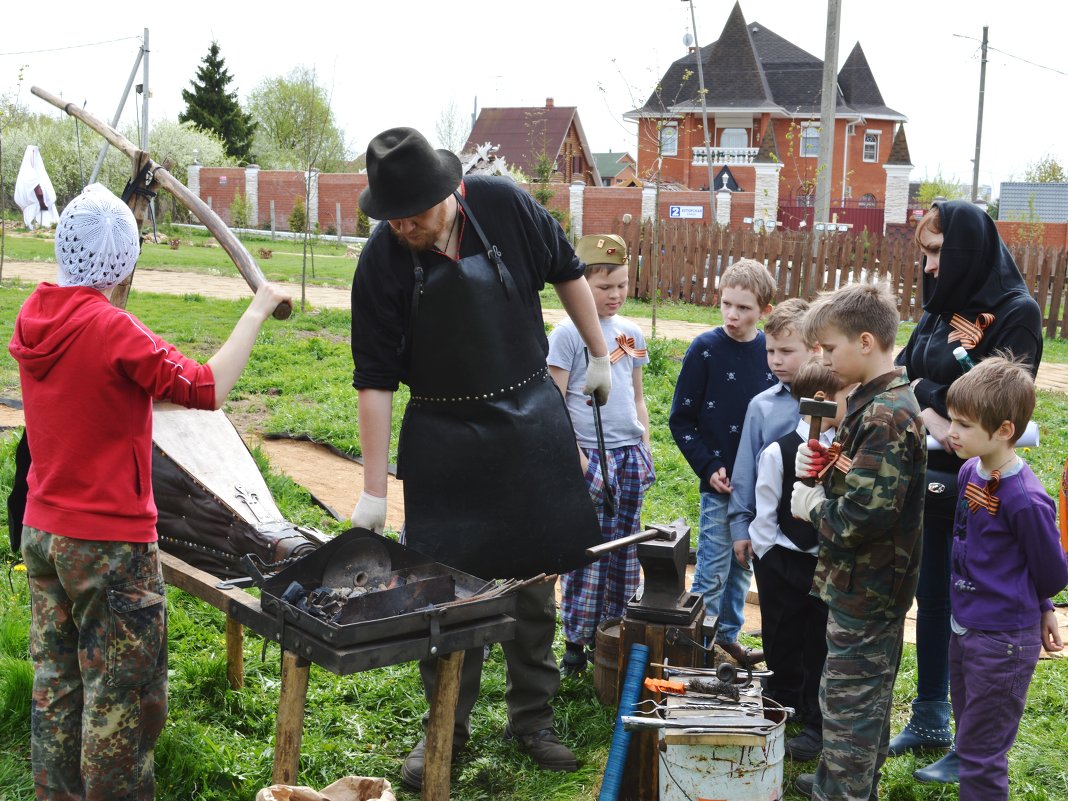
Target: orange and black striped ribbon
{"x":966,"y":332}
{"x":984,"y":496}
{"x":626,"y":348}
{"x":835,"y":459}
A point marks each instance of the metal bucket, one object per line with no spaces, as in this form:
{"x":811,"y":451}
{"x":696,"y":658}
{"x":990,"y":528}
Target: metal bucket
{"x":725,"y":766}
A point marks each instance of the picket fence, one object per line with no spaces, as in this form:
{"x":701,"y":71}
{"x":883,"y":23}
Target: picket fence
{"x":693,"y":256}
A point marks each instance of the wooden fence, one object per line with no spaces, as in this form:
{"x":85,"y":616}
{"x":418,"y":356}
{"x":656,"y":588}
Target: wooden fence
{"x":693,"y":256}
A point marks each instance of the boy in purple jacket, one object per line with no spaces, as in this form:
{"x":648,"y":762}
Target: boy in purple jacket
{"x":1007,"y":563}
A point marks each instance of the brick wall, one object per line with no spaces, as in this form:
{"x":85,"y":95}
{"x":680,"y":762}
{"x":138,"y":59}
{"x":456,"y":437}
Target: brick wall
{"x":1054,"y":235}
{"x":284,"y":187}
{"x":343,"y":188}
{"x":603,"y":207}
{"x":222,"y":185}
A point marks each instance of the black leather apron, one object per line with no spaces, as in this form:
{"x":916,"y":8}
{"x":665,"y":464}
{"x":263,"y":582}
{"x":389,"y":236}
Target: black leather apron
{"x":492,"y":482}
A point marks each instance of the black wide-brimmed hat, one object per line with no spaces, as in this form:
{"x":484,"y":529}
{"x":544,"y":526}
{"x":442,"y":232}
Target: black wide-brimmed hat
{"x":406,"y":176}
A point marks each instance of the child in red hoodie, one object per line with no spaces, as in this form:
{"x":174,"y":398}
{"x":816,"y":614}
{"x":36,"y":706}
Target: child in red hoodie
{"x":89,"y":373}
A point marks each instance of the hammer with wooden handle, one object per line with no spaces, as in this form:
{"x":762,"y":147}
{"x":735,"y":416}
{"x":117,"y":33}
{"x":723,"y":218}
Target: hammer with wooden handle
{"x":816,"y":409}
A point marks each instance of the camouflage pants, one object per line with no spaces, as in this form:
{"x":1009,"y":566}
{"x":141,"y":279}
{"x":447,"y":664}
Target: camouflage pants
{"x":856,"y":694}
{"x":98,"y":639}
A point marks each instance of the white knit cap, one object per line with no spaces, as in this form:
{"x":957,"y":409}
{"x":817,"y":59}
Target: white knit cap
{"x":97,"y":240}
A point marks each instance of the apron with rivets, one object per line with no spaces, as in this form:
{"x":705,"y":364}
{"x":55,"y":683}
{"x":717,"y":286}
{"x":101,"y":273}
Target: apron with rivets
{"x":487,"y":454}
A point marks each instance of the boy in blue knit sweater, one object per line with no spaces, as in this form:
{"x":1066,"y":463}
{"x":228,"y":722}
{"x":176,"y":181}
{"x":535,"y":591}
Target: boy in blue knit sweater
{"x":722,"y":371}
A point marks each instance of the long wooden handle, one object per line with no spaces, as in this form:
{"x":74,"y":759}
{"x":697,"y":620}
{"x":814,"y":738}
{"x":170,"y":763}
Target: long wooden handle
{"x":246,"y":265}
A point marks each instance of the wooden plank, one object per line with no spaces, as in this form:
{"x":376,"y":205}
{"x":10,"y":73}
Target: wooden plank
{"x":201,"y":584}
{"x":1044,"y":269}
{"x":1056,"y":294}
{"x":289,"y":727}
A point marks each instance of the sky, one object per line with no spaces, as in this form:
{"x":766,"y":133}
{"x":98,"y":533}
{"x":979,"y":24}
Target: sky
{"x":404,"y":63}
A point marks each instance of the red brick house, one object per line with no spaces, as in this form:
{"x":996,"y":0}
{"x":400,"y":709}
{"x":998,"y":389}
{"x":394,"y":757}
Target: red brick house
{"x":764,"y":92}
{"x":523,"y":134}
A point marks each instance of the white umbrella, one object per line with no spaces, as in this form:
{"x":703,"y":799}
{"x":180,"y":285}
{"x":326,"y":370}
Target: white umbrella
{"x":33,"y":190}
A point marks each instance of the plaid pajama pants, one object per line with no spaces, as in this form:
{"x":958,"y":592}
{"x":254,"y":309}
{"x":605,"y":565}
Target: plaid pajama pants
{"x":600,"y":591}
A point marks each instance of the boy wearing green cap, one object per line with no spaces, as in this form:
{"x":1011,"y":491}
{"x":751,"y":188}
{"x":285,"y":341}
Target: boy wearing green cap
{"x":601,"y":590}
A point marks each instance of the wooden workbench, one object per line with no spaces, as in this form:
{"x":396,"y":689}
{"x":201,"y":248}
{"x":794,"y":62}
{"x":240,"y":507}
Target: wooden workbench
{"x":242,"y":609}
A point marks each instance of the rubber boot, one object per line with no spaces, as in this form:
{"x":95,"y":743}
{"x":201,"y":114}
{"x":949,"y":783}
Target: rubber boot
{"x":928,"y":730}
{"x":944,"y":771}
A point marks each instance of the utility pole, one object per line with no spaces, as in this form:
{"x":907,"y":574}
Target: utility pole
{"x":979,"y":123}
{"x":704,"y":116}
{"x":828,"y":104}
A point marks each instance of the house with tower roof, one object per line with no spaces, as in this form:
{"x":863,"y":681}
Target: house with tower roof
{"x":763,"y":97}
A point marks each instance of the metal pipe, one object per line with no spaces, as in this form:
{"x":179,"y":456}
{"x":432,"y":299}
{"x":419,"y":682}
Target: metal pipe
{"x":118,"y":113}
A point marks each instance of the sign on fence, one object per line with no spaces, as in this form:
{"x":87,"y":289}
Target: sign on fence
{"x":686,"y":212}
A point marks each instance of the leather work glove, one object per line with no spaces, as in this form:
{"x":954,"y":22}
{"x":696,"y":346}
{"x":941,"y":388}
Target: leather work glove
{"x":805,"y":499}
{"x":811,"y":458}
{"x":598,"y":379}
{"x":370,"y":513}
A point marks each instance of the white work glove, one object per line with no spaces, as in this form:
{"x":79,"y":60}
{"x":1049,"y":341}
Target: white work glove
{"x":811,"y":458}
{"x":805,"y":499}
{"x":370,"y":513}
{"x":598,"y":379}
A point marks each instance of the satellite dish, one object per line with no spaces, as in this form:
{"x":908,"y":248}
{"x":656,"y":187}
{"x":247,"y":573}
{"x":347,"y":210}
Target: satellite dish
{"x":687,"y":39}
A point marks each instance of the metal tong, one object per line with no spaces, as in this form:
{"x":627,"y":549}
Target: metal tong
{"x":609,"y":499}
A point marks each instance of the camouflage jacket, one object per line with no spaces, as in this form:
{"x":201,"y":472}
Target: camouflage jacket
{"x":871,"y":522}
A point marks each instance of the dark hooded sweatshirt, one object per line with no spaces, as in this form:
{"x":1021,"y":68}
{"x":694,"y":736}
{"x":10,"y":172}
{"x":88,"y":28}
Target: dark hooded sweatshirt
{"x":976,"y":274}
{"x":89,"y":373}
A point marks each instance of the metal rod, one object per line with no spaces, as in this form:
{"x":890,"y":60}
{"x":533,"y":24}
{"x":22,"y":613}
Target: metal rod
{"x":118,"y":114}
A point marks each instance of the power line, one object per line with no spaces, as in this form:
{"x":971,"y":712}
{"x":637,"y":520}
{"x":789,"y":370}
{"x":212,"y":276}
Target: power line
{"x":1010,"y":55}
{"x":68,"y":47}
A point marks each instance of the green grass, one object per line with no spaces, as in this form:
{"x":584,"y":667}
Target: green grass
{"x":218,"y":743}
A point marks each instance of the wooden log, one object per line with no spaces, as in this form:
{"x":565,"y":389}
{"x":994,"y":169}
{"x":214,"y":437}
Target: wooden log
{"x":289,"y":727}
{"x":242,"y":259}
{"x":437,"y":765}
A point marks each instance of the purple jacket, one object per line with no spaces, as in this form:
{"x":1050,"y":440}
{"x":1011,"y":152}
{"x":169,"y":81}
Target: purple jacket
{"x":1006,"y":566}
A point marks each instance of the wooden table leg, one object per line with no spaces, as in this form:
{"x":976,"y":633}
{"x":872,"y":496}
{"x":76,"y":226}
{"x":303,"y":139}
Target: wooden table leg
{"x":437,"y":766}
{"x":235,"y":653}
{"x":289,"y":727}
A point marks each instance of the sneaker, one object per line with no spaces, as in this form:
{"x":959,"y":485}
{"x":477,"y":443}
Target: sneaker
{"x":545,"y":749}
{"x":412,"y":769}
{"x":574,"y":660}
{"x":806,"y":746}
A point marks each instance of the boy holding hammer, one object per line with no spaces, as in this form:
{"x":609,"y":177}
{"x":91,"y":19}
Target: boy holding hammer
{"x":868,"y":511}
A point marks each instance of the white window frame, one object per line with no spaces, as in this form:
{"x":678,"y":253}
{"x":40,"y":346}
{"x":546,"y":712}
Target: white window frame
{"x":876,"y":137}
{"x":669,"y":144}
{"x":808,"y":139}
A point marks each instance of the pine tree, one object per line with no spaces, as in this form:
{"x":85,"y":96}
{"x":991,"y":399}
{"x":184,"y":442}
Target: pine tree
{"x":211,"y":107}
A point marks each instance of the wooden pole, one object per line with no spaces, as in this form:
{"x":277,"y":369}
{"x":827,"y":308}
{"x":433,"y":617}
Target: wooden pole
{"x":437,"y":765}
{"x":243,"y":260}
{"x":289,"y":727}
{"x":235,"y":654}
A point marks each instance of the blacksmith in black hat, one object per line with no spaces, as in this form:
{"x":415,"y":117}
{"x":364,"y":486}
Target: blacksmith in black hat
{"x":445,"y":299}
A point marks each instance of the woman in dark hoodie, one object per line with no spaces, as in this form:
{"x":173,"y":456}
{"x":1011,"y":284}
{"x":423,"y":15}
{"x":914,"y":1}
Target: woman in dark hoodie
{"x":975,"y":297}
